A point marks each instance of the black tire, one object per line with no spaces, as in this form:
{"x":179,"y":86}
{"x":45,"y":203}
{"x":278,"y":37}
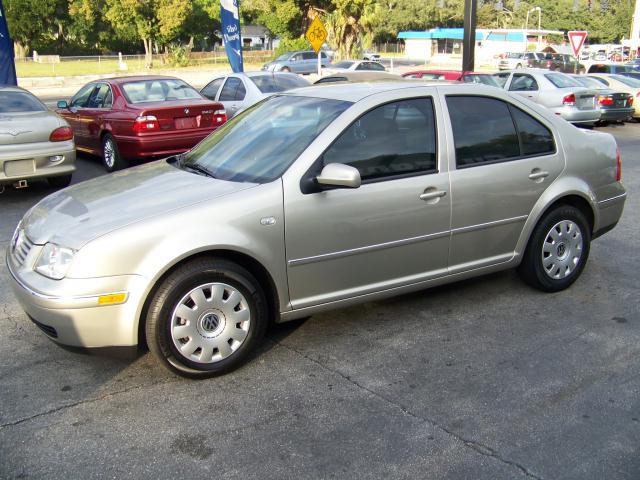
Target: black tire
{"x":285,"y":69}
{"x":59,"y":182}
{"x":171,"y":293}
{"x":114,"y":161}
{"x":532,"y":269}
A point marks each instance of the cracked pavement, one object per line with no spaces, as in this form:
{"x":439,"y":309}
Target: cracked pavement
{"x":483,"y":379}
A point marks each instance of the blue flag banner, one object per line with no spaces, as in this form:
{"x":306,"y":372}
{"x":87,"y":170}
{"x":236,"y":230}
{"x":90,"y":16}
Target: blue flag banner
{"x":230,"y":19}
{"x":7,"y":62}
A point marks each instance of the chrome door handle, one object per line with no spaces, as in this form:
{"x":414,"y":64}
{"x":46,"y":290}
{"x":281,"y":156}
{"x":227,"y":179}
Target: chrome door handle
{"x":432,"y":195}
{"x":535,"y":175}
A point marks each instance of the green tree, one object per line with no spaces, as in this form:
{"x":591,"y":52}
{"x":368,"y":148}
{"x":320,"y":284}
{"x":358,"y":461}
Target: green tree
{"x":30,"y":22}
{"x":151,"y":21}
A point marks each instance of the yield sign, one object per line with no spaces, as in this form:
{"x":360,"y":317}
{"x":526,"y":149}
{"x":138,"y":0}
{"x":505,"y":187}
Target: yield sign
{"x":576,"y":38}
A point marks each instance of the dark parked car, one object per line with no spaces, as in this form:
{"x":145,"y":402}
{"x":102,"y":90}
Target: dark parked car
{"x":139,"y":117}
{"x":608,"y":68}
{"x":614,"y":105}
{"x":559,"y":62}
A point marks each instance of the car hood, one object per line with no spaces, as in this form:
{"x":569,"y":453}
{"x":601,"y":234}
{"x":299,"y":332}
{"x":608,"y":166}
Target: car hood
{"x":76,"y":215}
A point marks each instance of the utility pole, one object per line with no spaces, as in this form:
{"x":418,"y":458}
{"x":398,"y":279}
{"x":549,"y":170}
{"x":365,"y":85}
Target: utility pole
{"x":469,"y":39}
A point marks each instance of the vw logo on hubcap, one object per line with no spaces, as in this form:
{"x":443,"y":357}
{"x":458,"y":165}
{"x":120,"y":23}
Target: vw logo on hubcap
{"x":210,"y":322}
{"x":561,"y":249}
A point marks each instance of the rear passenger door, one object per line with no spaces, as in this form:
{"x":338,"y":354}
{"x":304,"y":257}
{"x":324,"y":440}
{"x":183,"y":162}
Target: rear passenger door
{"x":232,"y":95}
{"x":504,"y":160}
{"x":525,"y":85}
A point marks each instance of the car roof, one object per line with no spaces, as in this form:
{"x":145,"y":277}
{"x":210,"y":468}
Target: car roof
{"x":13,"y":88}
{"x":136,"y":78}
{"x":354,"y":92}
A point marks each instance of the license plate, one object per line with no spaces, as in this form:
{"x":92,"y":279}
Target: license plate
{"x":16,"y":168}
{"x":620,"y":103}
{"x":186,"y":122}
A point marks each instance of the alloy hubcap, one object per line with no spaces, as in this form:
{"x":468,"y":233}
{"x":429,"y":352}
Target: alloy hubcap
{"x":109,"y":153}
{"x":562,"y":249}
{"x":210,"y":322}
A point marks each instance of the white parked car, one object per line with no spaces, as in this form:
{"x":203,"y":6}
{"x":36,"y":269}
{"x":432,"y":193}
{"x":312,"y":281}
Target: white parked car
{"x":354,"y":65}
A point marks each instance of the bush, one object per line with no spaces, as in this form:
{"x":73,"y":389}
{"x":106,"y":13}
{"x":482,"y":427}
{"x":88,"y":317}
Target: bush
{"x":178,"y":56}
{"x":291,"y":44}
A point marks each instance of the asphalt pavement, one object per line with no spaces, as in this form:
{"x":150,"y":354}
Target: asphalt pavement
{"x":484,"y":379}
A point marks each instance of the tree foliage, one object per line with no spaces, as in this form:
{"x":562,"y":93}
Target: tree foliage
{"x":90,"y":26}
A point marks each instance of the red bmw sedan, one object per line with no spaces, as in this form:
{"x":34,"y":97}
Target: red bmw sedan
{"x":143,"y":117}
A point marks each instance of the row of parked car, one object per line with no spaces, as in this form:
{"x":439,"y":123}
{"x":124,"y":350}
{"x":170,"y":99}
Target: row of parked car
{"x":146,"y":117}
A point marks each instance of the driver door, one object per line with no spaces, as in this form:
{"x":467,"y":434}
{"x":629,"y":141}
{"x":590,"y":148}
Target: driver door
{"x":390,"y":232}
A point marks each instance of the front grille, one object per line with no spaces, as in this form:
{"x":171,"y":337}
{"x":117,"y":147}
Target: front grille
{"x":48,"y":329}
{"x":21,"y":247}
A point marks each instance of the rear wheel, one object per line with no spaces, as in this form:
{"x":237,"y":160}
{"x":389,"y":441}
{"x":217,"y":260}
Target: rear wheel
{"x":557,"y":251}
{"x":582,"y":71}
{"x":59,"y":182}
{"x":111,"y":158}
{"x":206,"y":318}
{"x":519,"y":65}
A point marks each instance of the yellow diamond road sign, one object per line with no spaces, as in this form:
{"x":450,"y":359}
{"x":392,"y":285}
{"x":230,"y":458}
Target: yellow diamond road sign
{"x":316,"y":34}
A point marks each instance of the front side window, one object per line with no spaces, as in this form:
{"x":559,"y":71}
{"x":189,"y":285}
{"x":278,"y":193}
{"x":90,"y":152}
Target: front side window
{"x":394,"y":139}
{"x":488,"y":130}
{"x":259,"y":144}
{"x":101,"y":97}
{"x":81,"y":98}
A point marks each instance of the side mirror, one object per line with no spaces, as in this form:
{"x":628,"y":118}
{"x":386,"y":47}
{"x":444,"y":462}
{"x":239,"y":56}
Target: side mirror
{"x":63,"y":104}
{"x":339,"y":175}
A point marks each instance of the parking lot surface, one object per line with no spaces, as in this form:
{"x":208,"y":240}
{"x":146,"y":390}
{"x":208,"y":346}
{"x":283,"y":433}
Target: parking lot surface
{"x":484,"y":379}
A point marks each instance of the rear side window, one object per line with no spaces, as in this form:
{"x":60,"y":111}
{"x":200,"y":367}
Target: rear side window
{"x":394,"y":139}
{"x":233,"y":90}
{"x":485,"y":132}
{"x":212,"y":88}
{"x":278,"y":83}
{"x":560,"y":80}
{"x":522,"y":82}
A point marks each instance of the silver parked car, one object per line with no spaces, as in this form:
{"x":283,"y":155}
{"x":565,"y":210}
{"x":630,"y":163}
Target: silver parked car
{"x":35,"y":143}
{"x":353,"y":66}
{"x":239,"y":91}
{"x":309,"y":201}
{"x":557,"y":91}
{"x":298,"y":62}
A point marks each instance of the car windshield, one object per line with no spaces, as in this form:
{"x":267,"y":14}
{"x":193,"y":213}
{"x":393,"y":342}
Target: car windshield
{"x":560,"y":80}
{"x":158,"y":90}
{"x":278,"y":83}
{"x":628,"y":81}
{"x":343,"y":64}
{"x":284,"y":57}
{"x":588,"y":82}
{"x":14,"y":102}
{"x":481,"y":78}
{"x":258,"y":145}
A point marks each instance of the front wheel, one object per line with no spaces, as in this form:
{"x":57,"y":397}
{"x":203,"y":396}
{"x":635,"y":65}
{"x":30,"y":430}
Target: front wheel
{"x":285,"y":69}
{"x":206,"y":318}
{"x":111,"y":158}
{"x":557,"y":251}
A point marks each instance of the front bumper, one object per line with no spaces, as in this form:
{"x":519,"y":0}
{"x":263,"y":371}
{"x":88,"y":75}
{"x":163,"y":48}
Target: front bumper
{"x":31,"y":161}
{"x":69,"y":312}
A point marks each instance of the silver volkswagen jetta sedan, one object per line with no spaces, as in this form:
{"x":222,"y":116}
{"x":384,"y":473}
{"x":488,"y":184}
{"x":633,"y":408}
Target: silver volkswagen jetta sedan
{"x":311,"y":200}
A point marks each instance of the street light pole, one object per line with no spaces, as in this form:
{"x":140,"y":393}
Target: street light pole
{"x":469,"y":39}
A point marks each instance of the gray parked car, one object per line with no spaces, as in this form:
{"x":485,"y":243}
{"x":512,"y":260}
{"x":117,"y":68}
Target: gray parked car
{"x":557,"y":91}
{"x":615,"y":106}
{"x":239,"y":91}
{"x":35,"y":143}
{"x":313,"y":200}
{"x":297,"y":62}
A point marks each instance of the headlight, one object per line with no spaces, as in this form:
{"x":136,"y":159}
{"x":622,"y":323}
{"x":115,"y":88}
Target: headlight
{"x":54,"y":261}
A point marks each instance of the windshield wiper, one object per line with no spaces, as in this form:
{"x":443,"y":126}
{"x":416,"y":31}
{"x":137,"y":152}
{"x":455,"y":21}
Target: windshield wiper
{"x":199,"y":169}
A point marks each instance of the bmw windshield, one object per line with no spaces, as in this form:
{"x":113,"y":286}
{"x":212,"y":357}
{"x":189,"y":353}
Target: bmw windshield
{"x":258,"y":145}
